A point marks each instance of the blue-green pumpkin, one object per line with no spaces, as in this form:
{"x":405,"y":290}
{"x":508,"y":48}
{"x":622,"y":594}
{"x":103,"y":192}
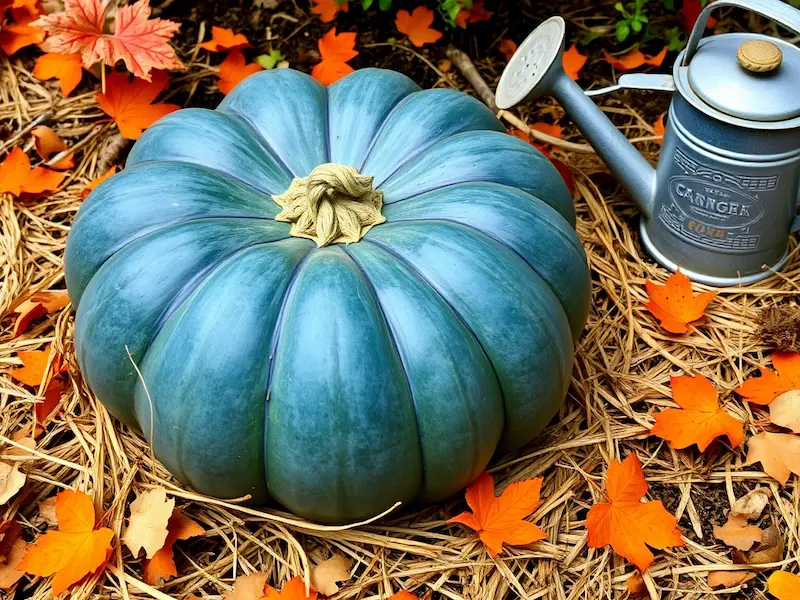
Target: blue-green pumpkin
{"x":336,"y":379}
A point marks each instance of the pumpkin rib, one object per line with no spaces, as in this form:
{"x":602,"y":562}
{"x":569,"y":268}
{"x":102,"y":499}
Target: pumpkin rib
{"x":260,"y":138}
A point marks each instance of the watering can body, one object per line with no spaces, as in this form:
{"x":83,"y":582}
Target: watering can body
{"x":722,"y":201}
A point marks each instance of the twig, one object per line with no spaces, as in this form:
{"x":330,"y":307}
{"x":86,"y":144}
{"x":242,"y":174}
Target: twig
{"x":75,"y":147}
{"x":42,"y":118}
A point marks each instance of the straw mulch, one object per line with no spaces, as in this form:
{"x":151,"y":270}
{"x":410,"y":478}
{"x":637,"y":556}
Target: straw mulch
{"x":621,"y":377}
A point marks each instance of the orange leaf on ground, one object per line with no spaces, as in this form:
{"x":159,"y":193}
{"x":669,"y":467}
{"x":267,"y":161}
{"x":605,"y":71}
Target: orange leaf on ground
{"x":658,"y":129}
{"x":233,"y":70}
{"x":403,"y":595}
{"x":507,"y":47}
{"x":700,"y":418}
{"x":784,"y":411}
{"x":738,"y":533}
{"x":17,"y":176}
{"x":294,"y":589}
{"x":64,"y":67}
{"x":92,"y":185}
{"x":500,"y":519}
{"x":764,"y":389}
{"x":335,"y":50}
{"x":223,"y":39}
{"x":47,"y":144}
{"x":784,"y":585}
{"x":326,"y":576}
{"x":130,"y":103}
{"x":475,"y":14}
{"x":729,"y":579}
{"x":778,"y":453}
{"x":147,"y":524}
{"x":625,"y":522}
{"x":9,"y":574}
{"x":75,"y":550}
{"x":417,"y":25}
{"x":674,"y":305}
{"x":328,"y":9}
{"x":140,"y":42}
{"x":34,"y":366}
{"x":37,"y":306}
{"x":162,"y":567}
{"x":254,"y":587}
{"x":573,"y":62}
{"x":15,"y":36}
{"x":689,"y":13}
{"x":635,"y":59}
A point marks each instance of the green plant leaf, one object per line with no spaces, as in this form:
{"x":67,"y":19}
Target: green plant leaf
{"x":623,"y":30}
{"x":384,"y":5}
{"x":268,"y":61}
{"x":365,"y":4}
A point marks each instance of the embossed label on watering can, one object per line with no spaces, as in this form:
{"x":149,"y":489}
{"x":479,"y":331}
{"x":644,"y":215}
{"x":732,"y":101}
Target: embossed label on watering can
{"x":712,"y":208}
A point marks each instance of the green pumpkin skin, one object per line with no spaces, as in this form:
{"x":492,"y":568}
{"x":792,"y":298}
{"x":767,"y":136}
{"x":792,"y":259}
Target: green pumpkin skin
{"x":343,"y":379}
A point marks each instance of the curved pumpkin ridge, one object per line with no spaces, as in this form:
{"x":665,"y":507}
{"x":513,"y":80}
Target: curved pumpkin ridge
{"x":357,"y":107}
{"x":518,"y":320}
{"x":481,"y":156}
{"x":519,"y":221}
{"x":337,"y":416}
{"x":452,"y":381}
{"x":218,"y":141}
{"x":147,"y":198}
{"x":121,"y":308}
{"x":211,"y":360}
{"x":417,"y":123}
{"x":288,"y":110}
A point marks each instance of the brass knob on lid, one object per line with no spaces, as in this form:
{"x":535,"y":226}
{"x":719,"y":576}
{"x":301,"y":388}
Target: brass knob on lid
{"x":759,"y":56}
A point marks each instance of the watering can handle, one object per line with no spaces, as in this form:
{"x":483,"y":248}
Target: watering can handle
{"x":776,"y":10}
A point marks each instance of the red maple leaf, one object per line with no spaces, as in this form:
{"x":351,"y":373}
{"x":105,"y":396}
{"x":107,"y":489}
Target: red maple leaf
{"x":141,"y":42}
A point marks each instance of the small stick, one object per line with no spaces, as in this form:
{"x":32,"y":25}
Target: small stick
{"x":75,"y":147}
{"x":42,"y":118}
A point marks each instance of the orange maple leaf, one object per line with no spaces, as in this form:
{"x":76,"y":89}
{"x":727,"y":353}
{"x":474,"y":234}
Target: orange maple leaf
{"x":507,"y":48}
{"x":417,"y":25}
{"x":778,"y":453}
{"x":573,"y":62}
{"x":15,"y":36}
{"x":254,"y":587}
{"x":140,"y":42}
{"x":294,"y":589}
{"x":689,"y":13}
{"x":699,"y":420}
{"x":673,"y":303}
{"x":783,"y":585}
{"x":658,"y":129}
{"x":475,"y":14}
{"x":17,"y":177}
{"x":499,"y":519}
{"x":328,"y":9}
{"x":764,"y":389}
{"x":162,"y":567}
{"x":77,"y":549}
{"x":403,"y":595}
{"x":130,"y":103}
{"x":635,"y":59}
{"x":47,"y":143}
{"x":335,"y":50}
{"x":37,"y":306}
{"x":224,"y":39}
{"x":64,"y":67}
{"x":625,"y":522}
{"x":233,"y":69}
{"x":35,"y":367}
{"x":92,"y":185}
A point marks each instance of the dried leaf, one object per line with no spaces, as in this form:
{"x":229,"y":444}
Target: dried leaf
{"x":47,"y":510}
{"x":784,"y":411}
{"x":9,"y":574}
{"x":75,"y":550}
{"x":38,"y":305}
{"x":140,"y":42}
{"x":335,"y":50}
{"x":625,"y":522}
{"x":162,"y":567}
{"x":130,"y":103}
{"x":769,"y":550}
{"x":328,"y":9}
{"x":147,"y":525}
{"x":328,"y":573}
{"x":233,"y":70}
{"x":223,"y":39}
{"x":15,"y":36}
{"x":778,"y":453}
{"x":16,"y":175}
{"x":403,"y":595}
{"x":507,"y":48}
{"x":635,"y":59}
{"x":737,"y":533}
{"x":92,"y":185}
{"x":673,"y":303}
{"x":417,"y":25}
{"x":47,"y":143}
{"x":751,"y":505}
{"x":636,"y":586}
{"x":501,"y":519}
{"x":784,"y":585}
{"x":11,"y":481}
{"x":700,"y":418}
{"x":294,"y":589}
{"x":474,"y":14}
{"x":573,"y":62}
{"x":729,"y":579}
{"x":764,"y":389}
{"x":658,"y":129}
{"x":248,"y":587}
{"x":34,"y":367}
{"x":64,"y":67}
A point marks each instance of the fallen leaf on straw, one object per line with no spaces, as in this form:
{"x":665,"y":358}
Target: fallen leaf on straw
{"x":403,"y":595}
{"x":92,"y":185}
{"x":335,"y":50}
{"x":752,"y":504}
{"x":764,"y":389}
{"x":778,"y":453}
{"x":738,"y":533}
{"x":12,"y":549}
{"x":673,"y":303}
{"x":64,"y":67}
{"x":729,"y":579}
{"x":417,"y":26}
{"x":147,"y":524}
{"x":131,"y":103}
{"x":784,"y":585}
{"x":16,"y":36}
{"x":573,"y":62}
{"x":500,"y":519}
{"x":784,"y":411}
{"x":17,"y":177}
{"x":700,"y":418}
{"x":625,"y":522}
{"x":36,"y":306}
{"x":233,"y":70}
{"x":768,"y":550}
{"x":75,"y":550}
{"x":254,"y":587}
{"x":635,"y":59}
{"x":328,"y":9}
{"x":326,"y":575}
{"x":47,"y":143}
{"x":223,"y":39}
{"x":162,"y":567}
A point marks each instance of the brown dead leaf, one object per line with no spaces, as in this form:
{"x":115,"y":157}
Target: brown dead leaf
{"x":11,"y":481}
{"x":738,"y":533}
{"x":751,"y":505}
{"x":636,"y":586}
{"x":47,"y":510}
{"x":729,"y":579}
{"x":248,"y":587}
{"x":9,"y":575}
{"x":147,"y":525}
{"x":328,"y":573}
{"x":769,"y":550}
{"x":784,"y":411}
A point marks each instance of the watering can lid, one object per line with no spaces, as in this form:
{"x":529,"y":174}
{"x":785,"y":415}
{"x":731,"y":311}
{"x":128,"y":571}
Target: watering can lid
{"x":749,"y":76}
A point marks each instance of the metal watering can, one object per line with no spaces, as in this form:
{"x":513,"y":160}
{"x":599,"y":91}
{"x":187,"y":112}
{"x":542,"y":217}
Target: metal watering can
{"x":722,"y":201}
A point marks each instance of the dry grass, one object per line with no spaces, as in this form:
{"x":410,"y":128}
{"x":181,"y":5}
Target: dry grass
{"x":621,"y":377}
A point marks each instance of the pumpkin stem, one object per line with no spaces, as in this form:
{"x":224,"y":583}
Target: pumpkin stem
{"x":334,"y":204}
